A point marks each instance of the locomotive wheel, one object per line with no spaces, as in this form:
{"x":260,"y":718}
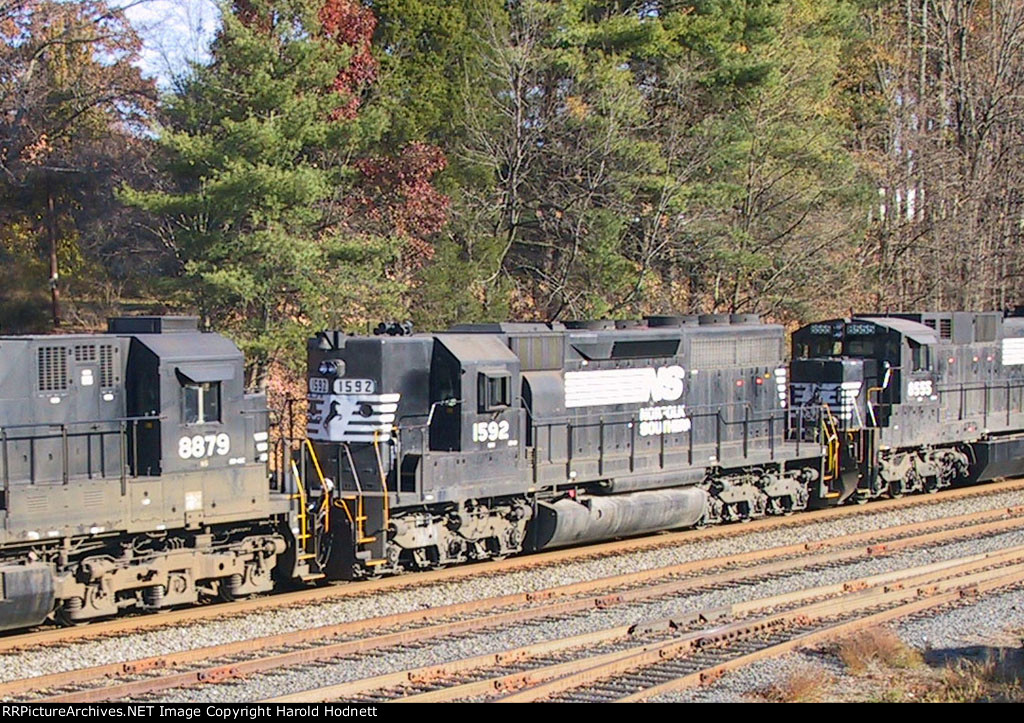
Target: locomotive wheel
{"x":369,"y":573}
{"x":227,"y":590}
{"x":896,"y":489}
{"x":63,"y":612}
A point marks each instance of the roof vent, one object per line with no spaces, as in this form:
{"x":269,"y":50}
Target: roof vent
{"x":659,"y":321}
{"x":744,"y":319}
{"x":591,"y":324}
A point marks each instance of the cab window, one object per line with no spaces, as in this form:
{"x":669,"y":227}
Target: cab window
{"x":822,"y":347}
{"x":200,"y":403}
{"x":494,"y":391}
{"x":860,"y":347}
{"x":920,"y":357}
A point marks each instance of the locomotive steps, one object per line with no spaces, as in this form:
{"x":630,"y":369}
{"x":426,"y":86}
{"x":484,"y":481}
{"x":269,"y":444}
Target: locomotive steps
{"x":630,"y":592}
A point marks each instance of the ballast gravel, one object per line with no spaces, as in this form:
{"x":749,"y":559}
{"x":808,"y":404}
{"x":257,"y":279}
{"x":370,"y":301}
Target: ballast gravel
{"x":132,"y":646}
{"x":380,"y":662}
{"x":993,"y":620}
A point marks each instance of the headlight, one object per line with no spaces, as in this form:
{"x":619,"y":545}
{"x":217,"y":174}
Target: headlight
{"x":328,"y":368}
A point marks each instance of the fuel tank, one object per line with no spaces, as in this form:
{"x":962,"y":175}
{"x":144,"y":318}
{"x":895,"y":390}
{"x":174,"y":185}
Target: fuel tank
{"x":588,"y":519}
{"x":26,"y":594}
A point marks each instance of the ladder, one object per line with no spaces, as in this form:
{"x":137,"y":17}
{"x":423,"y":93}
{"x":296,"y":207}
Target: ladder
{"x":830,"y":438}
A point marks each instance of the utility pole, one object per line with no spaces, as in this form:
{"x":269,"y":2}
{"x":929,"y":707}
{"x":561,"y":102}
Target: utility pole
{"x":51,"y":233}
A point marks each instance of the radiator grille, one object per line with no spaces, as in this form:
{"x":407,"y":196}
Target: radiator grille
{"x":107,"y":378}
{"x":85,"y":353}
{"x":724,"y":353}
{"x":53,"y":369}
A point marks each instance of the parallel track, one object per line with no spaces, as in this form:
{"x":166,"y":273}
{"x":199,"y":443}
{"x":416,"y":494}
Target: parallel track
{"x":146,"y":677}
{"x":628,"y":664}
{"x":220,"y":611}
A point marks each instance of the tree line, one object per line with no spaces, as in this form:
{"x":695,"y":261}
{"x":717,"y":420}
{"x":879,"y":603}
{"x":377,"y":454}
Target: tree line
{"x":337,"y":162}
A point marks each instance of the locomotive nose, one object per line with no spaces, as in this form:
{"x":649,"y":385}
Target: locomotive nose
{"x":833,"y":383}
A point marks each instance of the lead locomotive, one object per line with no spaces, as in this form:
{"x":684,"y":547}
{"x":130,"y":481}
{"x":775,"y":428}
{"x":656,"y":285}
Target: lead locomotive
{"x":134,"y":474}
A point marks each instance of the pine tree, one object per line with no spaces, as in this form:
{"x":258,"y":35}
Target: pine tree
{"x":258,"y":145}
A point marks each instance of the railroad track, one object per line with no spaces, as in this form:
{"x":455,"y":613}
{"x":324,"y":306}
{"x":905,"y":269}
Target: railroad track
{"x":629,"y":664}
{"x":120,"y":626}
{"x":159,"y":674}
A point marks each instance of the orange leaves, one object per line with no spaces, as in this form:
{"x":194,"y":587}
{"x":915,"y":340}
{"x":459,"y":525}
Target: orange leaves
{"x":397,"y":192}
{"x":347,"y":22}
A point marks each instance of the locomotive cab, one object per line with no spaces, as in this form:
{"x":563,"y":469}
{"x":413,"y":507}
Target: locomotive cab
{"x":414,"y":420}
{"x":863,"y":369}
{"x":938,"y":404}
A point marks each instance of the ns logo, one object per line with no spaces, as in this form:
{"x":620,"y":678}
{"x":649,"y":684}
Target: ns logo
{"x":665,"y":384}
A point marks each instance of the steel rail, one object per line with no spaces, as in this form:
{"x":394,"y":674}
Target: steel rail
{"x":832,"y":632}
{"x":489,"y":686}
{"x":561,"y":600}
{"x":931,"y":593}
{"x":220,"y":611}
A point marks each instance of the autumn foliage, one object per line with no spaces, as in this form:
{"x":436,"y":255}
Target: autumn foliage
{"x":348,"y":23}
{"x":397,"y":193}
{"x":394,"y":195}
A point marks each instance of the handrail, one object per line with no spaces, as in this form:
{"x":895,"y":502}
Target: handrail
{"x":303,"y":522}
{"x":383,"y":477}
{"x":52,"y":425}
{"x":325,"y":502}
{"x":831,"y":432}
{"x":63,"y":431}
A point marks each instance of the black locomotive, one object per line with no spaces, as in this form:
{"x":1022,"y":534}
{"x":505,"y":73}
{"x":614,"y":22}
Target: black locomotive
{"x":134,"y":474}
{"x":137,"y":473}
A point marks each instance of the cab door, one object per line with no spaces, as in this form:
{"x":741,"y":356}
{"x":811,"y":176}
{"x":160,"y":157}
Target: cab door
{"x":143,"y":435}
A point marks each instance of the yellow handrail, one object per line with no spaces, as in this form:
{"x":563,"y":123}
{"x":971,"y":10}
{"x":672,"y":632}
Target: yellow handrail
{"x":325,"y":505}
{"x":830,"y":430}
{"x":303,"y":529}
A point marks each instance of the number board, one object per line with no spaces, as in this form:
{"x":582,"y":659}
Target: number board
{"x":354,"y":386}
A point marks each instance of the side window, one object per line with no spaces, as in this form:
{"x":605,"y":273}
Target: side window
{"x":920,"y":357}
{"x":494,"y":391}
{"x":200,"y":403}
